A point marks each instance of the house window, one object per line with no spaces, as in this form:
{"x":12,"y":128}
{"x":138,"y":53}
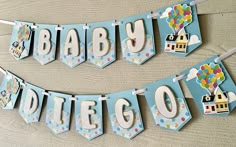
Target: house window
{"x":184,"y":46}
{"x":177,"y":45}
{"x":217,"y":106}
{"x":219,"y":96}
{"x":168,"y":45}
{"x":212,"y":108}
{"x":181,"y":37}
{"x":180,"y":46}
{"x":226,"y":105}
{"x":173,"y":47}
{"x":207,"y":107}
{"x":221,"y":106}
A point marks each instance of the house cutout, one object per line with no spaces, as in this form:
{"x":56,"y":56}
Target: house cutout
{"x":4,"y":98}
{"x":177,"y":43}
{"x":218,"y":103}
{"x":17,"y":49}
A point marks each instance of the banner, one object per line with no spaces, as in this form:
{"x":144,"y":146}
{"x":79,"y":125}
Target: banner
{"x":178,"y":26}
{"x":209,"y":82}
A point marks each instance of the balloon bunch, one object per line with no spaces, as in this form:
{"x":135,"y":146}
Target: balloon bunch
{"x":23,"y":33}
{"x":179,"y":17}
{"x":210,"y":76}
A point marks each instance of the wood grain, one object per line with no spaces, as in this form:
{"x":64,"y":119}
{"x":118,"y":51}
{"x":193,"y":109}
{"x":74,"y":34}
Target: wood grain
{"x":217,"y":22}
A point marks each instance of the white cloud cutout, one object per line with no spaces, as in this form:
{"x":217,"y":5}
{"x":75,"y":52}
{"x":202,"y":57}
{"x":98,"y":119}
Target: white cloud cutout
{"x":194,"y":40}
{"x":165,"y":14}
{"x":232,"y":97}
{"x":192,"y":74}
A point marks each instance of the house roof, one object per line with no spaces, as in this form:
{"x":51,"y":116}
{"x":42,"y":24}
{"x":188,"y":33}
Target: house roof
{"x":171,"y":37}
{"x":205,"y":98}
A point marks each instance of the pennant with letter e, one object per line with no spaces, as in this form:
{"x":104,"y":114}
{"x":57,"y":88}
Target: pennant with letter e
{"x":167,"y":104}
{"x":89,"y":119}
{"x":58,"y":112}
{"x":124,"y":114}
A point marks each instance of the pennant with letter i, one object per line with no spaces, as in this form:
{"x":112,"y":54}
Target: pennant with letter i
{"x":72,"y":45}
{"x":211,"y":87}
{"x":31,"y":103}
{"x":101,"y":43}
{"x":9,"y":90}
{"x":167,"y":104}
{"x":21,"y":40}
{"x":124,"y":114}
{"x":45,"y":43}
{"x":89,"y":119}
{"x":137,"y":38}
{"x":179,"y":29}
{"x":58,"y":112}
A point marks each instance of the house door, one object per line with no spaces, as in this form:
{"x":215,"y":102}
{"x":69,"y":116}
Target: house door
{"x":213,"y":108}
{"x":173,"y":47}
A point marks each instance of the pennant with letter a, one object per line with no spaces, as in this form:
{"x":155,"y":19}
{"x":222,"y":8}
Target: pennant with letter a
{"x":211,"y":86}
{"x":21,"y":40}
{"x":31,"y":103}
{"x":45,"y":43}
{"x":72,"y":45}
{"x":167,"y":104}
{"x":124,"y":114}
{"x":58,"y":112}
{"x":9,"y":90}
{"x":137,"y":38}
{"x":101,"y":43}
{"x":179,"y":29}
{"x":89,"y":119}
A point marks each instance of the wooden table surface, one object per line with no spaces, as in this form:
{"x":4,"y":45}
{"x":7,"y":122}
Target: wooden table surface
{"x":217,"y":22}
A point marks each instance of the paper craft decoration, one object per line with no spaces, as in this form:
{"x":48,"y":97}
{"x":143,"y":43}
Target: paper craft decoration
{"x":211,"y":87}
{"x":20,"y":40}
{"x":31,"y":103}
{"x":89,"y":119}
{"x":9,"y":90}
{"x":124,"y":114}
{"x":58,"y":112}
{"x":101,"y":43}
{"x":137,"y":38}
{"x":45,"y":43}
{"x":167,"y":104}
{"x":72,"y":45}
{"x":179,"y":29}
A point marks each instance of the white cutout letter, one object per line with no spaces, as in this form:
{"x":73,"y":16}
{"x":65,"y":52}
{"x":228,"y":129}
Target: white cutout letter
{"x":120,"y":114}
{"x":57,"y":111}
{"x":44,"y":42}
{"x":101,"y":44}
{"x":31,"y":102}
{"x":137,"y":38}
{"x":85,"y":113}
{"x":161,"y":104}
{"x":72,"y":44}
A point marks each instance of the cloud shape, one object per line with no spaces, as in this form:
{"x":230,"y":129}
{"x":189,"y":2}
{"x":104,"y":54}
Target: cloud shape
{"x":194,"y":40}
{"x":232,"y":97}
{"x":192,"y":74}
{"x":165,"y":14}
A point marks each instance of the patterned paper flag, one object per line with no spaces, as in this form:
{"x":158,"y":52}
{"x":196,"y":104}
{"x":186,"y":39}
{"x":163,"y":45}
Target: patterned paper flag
{"x":31,"y":103}
{"x":101,"y":43}
{"x":167,"y":104}
{"x":124,"y":114}
{"x":211,"y":87}
{"x":137,"y":38}
{"x":72,"y":45}
{"x":45,"y":43}
{"x":21,"y":40}
{"x":89,"y":120}
{"x":58,"y":112}
{"x":9,"y":90}
{"x":179,"y":29}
